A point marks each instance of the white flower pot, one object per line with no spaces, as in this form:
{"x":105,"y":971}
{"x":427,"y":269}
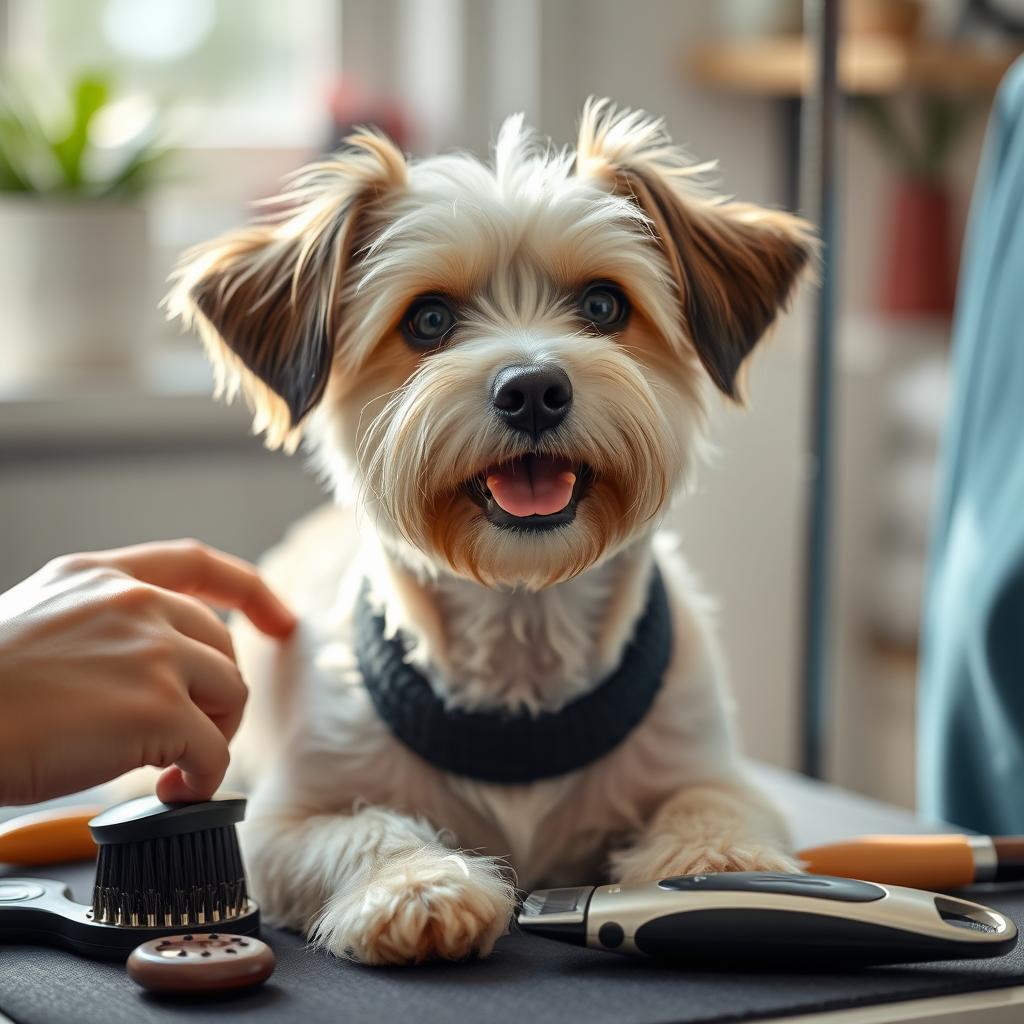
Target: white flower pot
{"x":73,"y":287}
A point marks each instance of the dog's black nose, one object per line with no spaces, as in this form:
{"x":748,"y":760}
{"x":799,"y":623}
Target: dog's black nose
{"x":532,"y":398}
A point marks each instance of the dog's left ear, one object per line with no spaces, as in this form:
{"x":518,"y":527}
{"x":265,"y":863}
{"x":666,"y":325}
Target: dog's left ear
{"x":735,"y":264}
{"x":266,"y":298}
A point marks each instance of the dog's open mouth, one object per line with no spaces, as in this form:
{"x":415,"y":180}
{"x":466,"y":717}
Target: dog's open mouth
{"x":532,"y":492}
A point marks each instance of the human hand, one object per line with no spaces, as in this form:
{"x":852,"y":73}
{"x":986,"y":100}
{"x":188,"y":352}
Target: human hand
{"x":109,"y":661}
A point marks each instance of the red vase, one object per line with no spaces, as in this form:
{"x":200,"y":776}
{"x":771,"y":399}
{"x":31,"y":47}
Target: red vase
{"x":918,"y":266}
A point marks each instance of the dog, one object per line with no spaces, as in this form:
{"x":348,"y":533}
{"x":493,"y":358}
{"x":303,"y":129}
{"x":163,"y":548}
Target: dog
{"x":502,"y":674}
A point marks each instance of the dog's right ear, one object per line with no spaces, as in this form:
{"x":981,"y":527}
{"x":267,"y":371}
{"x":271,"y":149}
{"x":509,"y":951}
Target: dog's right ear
{"x":266,"y":298}
{"x":735,"y":264}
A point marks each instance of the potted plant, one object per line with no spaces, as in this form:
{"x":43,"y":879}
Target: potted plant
{"x":919,"y":264}
{"x":73,"y":229}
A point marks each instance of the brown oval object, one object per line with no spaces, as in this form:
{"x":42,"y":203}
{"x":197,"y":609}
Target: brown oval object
{"x":201,"y":962}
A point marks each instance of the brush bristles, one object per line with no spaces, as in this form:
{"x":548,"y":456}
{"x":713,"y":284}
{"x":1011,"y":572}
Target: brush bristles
{"x":175,"y":881}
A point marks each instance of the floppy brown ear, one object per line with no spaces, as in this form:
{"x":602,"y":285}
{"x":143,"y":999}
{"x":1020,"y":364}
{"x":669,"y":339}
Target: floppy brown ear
{"x":735,"y":264}
{"x":265,"y":298}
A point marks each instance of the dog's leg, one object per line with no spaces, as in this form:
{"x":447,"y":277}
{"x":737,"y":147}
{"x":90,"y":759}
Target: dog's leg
{"x":725,"y":826}
{"x":376,"y":886}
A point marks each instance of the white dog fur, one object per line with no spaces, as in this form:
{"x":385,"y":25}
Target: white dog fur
{"x":352,"y":838}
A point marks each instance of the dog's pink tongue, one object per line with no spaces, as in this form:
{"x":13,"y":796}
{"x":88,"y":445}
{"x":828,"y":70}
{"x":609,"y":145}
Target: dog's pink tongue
{"x":536,"y":485}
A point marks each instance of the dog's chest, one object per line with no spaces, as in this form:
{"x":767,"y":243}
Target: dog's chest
{"x":556,"y":832}
{"x":519,"y":651}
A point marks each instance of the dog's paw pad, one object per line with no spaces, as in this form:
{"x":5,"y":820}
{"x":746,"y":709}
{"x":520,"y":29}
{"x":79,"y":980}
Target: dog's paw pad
{"x":427,"y":907}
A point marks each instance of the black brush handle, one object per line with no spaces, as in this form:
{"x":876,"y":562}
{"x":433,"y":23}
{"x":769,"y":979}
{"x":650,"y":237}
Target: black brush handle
{"x":149,"y":818}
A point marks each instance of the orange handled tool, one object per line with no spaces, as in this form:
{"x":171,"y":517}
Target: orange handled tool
{"x":48,"y":837}
{"x":921,"y":862}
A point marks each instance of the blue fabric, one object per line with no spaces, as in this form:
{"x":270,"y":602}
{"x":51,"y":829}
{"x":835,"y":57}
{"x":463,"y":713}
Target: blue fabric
{"x":971,"y":719}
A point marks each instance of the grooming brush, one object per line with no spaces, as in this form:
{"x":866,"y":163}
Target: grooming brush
{"x":929,"y":862}
{"x":163,"y":869}
{"x":761,"y":919}
{"x":48,"y":837}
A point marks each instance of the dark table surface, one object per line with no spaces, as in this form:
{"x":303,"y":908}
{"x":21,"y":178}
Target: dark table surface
{"x":526,"y":979}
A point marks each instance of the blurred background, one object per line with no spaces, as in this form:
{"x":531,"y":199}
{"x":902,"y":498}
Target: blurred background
{"x":131,"y":129}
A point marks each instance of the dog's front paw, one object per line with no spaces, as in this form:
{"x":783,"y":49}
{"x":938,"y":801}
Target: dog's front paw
{"x":426,"y":906}
{"x":704,"y":860}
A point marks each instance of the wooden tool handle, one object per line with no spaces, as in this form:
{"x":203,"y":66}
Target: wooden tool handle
{"x":48,"y":837}
{"x":921,"y":862}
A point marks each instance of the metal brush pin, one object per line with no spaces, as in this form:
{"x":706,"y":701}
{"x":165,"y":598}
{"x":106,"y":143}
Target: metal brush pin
{"x":163,"y":869}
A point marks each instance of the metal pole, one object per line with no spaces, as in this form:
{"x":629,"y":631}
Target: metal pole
{"x":821,"y":113}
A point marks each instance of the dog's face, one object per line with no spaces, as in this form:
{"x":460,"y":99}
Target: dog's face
{"x":509,"y":363}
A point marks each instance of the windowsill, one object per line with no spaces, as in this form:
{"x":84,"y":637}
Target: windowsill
{"x":165,"y":403}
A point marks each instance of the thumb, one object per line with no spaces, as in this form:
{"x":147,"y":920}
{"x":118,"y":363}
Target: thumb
{"x":171,"y":788}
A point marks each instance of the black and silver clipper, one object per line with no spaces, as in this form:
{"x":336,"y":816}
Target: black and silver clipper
{"x":769,"y":919}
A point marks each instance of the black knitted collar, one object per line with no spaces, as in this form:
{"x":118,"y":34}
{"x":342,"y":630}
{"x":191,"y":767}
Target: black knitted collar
{"x":500,"y":747}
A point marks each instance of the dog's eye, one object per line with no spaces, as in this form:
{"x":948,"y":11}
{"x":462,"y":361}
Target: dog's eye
{"x":428,"y":321}
{"x":604,"y":305}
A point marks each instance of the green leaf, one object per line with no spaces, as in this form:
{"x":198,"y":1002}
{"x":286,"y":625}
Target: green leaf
{"x":880,"y":117}
{"x":138,"y":174}
{"x":23,"y":142}
{"x":35,"y":157}
{"x":10,"y":178}
{"x":91,"y":94}
{"x":943,"y":119}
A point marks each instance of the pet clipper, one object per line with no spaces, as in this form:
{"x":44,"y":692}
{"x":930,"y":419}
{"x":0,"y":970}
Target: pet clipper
{"x":776,"y":919}
{"x":163,"y":869}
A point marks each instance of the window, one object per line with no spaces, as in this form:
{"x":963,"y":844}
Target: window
{"x":237,"y":73}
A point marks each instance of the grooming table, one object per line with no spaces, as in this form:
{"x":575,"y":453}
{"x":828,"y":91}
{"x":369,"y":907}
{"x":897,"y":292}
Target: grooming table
{"x":528,"y":978}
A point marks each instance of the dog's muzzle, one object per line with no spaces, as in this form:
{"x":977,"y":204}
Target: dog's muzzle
{"x":536,"y":490}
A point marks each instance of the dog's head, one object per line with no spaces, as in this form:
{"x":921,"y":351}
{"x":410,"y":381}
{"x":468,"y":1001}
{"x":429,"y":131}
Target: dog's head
{"x":509,"y":362}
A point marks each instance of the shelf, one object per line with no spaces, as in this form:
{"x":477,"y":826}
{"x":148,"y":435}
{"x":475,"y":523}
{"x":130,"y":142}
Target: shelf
{"x":868,"y":65}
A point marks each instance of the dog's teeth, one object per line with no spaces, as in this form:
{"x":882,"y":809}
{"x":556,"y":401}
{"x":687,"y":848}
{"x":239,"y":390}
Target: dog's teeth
{"x":567,"y":477}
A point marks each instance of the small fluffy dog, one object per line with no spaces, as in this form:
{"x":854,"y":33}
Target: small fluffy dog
{"x":503,"y":370}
